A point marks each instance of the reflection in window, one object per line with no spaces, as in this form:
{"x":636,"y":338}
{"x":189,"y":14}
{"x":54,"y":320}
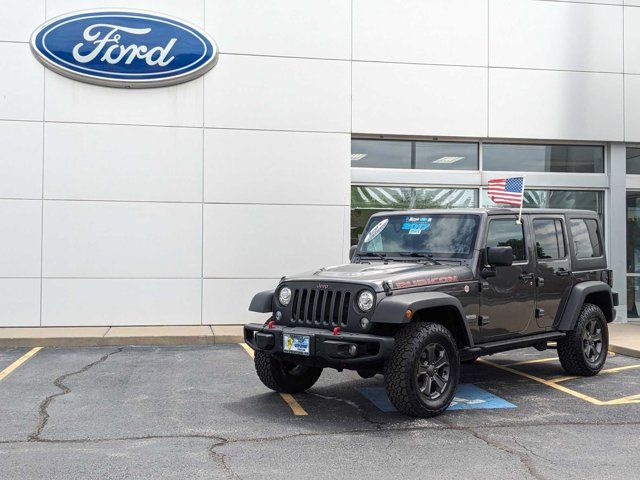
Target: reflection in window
{"x":633,"y":161}
{"x":543,"y":158}
{"x":549,"y":238}
{"x":586,"y":238}
{"x":507,"y":233}
{"x":367,"y":200}
{"x":565,"y":199}
{"x":414,"y":155}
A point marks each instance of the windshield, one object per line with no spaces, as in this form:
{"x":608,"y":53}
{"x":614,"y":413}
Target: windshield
{"x":439,"y":235}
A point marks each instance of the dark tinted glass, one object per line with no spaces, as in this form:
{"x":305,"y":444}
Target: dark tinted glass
{"x":549,"y":238}
{"x":543,"y":158}
{"x":443,"y":236}
{"x":446,"y":156}
{"x":633,"y":161}
{"x":586,"y":238}
{"x":507,"y":233}
{"x":380,"y":154}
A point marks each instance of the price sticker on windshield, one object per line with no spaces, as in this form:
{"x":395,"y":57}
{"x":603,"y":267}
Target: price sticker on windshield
{"x":376,"y":230}
{"x":416,"y":225}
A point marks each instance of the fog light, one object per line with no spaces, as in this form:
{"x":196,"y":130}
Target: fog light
{"x":364,"y":323}
{"x":353,"y":349}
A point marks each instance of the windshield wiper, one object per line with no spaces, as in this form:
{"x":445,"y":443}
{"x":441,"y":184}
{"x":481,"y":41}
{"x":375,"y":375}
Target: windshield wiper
{"x":381,"y":256}
{"x":421,"y":255}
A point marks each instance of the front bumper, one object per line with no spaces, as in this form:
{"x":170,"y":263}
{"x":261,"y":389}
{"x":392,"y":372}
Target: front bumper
{"x":326,"y":349}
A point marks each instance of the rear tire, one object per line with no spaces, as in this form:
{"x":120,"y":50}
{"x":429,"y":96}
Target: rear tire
{"x":423,"y":372}
{"x":584,"y":350}
{"x":284,"y":377}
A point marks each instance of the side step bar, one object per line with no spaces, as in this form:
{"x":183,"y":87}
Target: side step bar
{"x":509,"y":344}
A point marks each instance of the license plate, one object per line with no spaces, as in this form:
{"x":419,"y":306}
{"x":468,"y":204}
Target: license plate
{"x":296,"y":343}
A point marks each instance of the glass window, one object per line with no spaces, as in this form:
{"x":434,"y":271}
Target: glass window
{"x":380,"y":154}
{"x":586,"y":238}
{"x":543,"y":158}
{"x":565,"y":199}
{"x":446,"y":156}
{"x":507,"y":233}
{"x":633,"y":161}
{"x":414,"y":155}
{"x":633,"y":253}
{"x":549,"y":238}
{"x":367,"y":200}
{"x":443,"y":236}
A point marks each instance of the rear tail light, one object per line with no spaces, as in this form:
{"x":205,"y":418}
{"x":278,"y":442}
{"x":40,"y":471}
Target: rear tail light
{"x":607,"y":277}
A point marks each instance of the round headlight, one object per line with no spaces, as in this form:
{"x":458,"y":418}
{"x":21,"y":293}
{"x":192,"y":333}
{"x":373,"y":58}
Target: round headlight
{"x":284,"y":297}
{"x":365,"y":300}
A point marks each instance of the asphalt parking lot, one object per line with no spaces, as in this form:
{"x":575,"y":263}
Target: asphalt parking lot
{"x":200,"y":412}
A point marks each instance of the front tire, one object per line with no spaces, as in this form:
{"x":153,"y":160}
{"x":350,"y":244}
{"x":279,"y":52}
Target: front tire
{"x":423,"y":372}
{"x":584,"y":350}
{"x":284,"y":377}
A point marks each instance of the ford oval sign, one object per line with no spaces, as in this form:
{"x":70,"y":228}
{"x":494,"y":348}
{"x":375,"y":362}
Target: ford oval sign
{"x":124,"y":48}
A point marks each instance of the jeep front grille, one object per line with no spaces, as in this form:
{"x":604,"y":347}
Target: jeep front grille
{"x":318,"y":307}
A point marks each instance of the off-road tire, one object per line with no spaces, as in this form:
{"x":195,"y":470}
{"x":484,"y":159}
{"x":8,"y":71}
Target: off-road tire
{"x":400,"y":370}
{"x":571,"y":348}
{"x":284,"y":377}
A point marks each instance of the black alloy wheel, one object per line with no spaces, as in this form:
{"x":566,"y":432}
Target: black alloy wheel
{"x":433,"y":371}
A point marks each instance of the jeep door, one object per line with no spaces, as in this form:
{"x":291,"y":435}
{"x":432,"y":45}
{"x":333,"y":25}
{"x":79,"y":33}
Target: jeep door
{"x":553,"y":266}
{"x":507,"y":299}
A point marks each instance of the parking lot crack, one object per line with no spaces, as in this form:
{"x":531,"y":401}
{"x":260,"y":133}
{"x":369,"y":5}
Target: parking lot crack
{"x":43,"y":412}
{"x":221,"y":459}
{"x":358,"y":408}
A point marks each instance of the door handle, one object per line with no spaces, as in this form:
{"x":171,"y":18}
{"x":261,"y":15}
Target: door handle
{"x":563,"y":273}
{"x":526,"y":276}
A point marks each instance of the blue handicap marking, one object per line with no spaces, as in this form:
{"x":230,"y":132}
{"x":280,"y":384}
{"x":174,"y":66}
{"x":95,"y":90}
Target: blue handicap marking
{"x":467,"y":397}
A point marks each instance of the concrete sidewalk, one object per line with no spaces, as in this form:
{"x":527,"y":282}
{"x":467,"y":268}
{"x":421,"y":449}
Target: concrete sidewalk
{"x":105,"y":336}
{"x":624,"y":338}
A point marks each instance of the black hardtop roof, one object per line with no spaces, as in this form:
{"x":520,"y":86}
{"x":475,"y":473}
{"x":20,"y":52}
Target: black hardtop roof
{"x":489,"y":211}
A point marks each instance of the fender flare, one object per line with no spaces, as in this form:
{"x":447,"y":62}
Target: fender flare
{"x":262,"y":302}
{"x":579,"y":293}
{"x":391,"y":310}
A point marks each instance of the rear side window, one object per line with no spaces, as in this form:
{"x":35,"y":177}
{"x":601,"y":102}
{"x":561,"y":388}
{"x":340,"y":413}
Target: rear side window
{"x":550,"y":244}
{"x":586,"y":237}
{"x":507,"y":233}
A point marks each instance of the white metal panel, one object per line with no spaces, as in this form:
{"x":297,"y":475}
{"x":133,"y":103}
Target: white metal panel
{"x":419,"y":99}
{"x":555,"y":105}
{"x":67,"y":100}
{"x":19,"y":18}
{"x":268,"y":241}
{"x":21,"y":159}
{"x":452,"y":32}
{"x":293,"y":164}
{"x":632,"y":108}
{"x":190,"y":10}
{"x":226,"y":301}
{"x":310,"y":28}
{"x":19,"y":302}
{"x":97,"y":302}
{"x":632,"y":39}
{"x":278,"y":94}
{"x":120,"y":239}
{"x":632,"y":2}
{"x":21,"y":83}
{"x":114,"y":162}
{"x":20,"y":226}
{"x":555,"y":35}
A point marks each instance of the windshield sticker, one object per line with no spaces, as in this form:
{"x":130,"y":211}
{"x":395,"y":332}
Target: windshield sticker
{"x":376,"y":230}
{"x":416,"y":225}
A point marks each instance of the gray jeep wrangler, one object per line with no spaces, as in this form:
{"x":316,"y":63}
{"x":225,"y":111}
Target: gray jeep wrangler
{"x":428,"y":290}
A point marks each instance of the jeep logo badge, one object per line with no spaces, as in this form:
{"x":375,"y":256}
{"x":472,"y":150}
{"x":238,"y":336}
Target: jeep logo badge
{"x":323,"y":286}
{"x":124,"y":48}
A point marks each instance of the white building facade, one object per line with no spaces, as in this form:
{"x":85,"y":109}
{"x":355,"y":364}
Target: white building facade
{"x":173,"y":205}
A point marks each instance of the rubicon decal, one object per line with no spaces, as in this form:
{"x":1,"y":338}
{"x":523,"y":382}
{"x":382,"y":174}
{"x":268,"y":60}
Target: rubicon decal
{"x":421,"y":282}
{"x":124,"y":48}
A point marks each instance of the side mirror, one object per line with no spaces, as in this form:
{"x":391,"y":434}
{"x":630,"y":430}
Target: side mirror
{"x":352,"y":251}
{"x":500,"y":256}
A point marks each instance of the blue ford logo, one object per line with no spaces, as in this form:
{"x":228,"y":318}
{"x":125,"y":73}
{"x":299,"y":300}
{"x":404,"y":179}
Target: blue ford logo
{"x":124,"y":48}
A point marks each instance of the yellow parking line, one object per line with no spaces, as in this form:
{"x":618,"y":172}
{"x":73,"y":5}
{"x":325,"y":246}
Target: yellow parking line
{"x":295,"y":407}
{"x":19,"y":362}
{"x":625,"y":400}
{"x":548,"y":383}
{"x":608,"y":370}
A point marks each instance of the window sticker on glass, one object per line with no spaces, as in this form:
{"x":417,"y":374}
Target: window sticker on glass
{"x":376,"y":230}
{"x":416,"y":225}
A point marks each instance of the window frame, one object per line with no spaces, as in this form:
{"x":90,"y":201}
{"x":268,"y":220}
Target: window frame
{"x":563,"y":227}
{"x":502,"y":218}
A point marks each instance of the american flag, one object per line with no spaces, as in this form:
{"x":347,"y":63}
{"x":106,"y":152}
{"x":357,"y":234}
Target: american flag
{"x":507,"y":190}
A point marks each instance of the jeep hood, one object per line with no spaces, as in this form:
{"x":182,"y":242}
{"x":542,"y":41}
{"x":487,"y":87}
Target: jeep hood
{"x":397,"y":274}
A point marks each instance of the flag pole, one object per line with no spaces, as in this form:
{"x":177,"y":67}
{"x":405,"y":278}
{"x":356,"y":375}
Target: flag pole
{"x":521,"y":203}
